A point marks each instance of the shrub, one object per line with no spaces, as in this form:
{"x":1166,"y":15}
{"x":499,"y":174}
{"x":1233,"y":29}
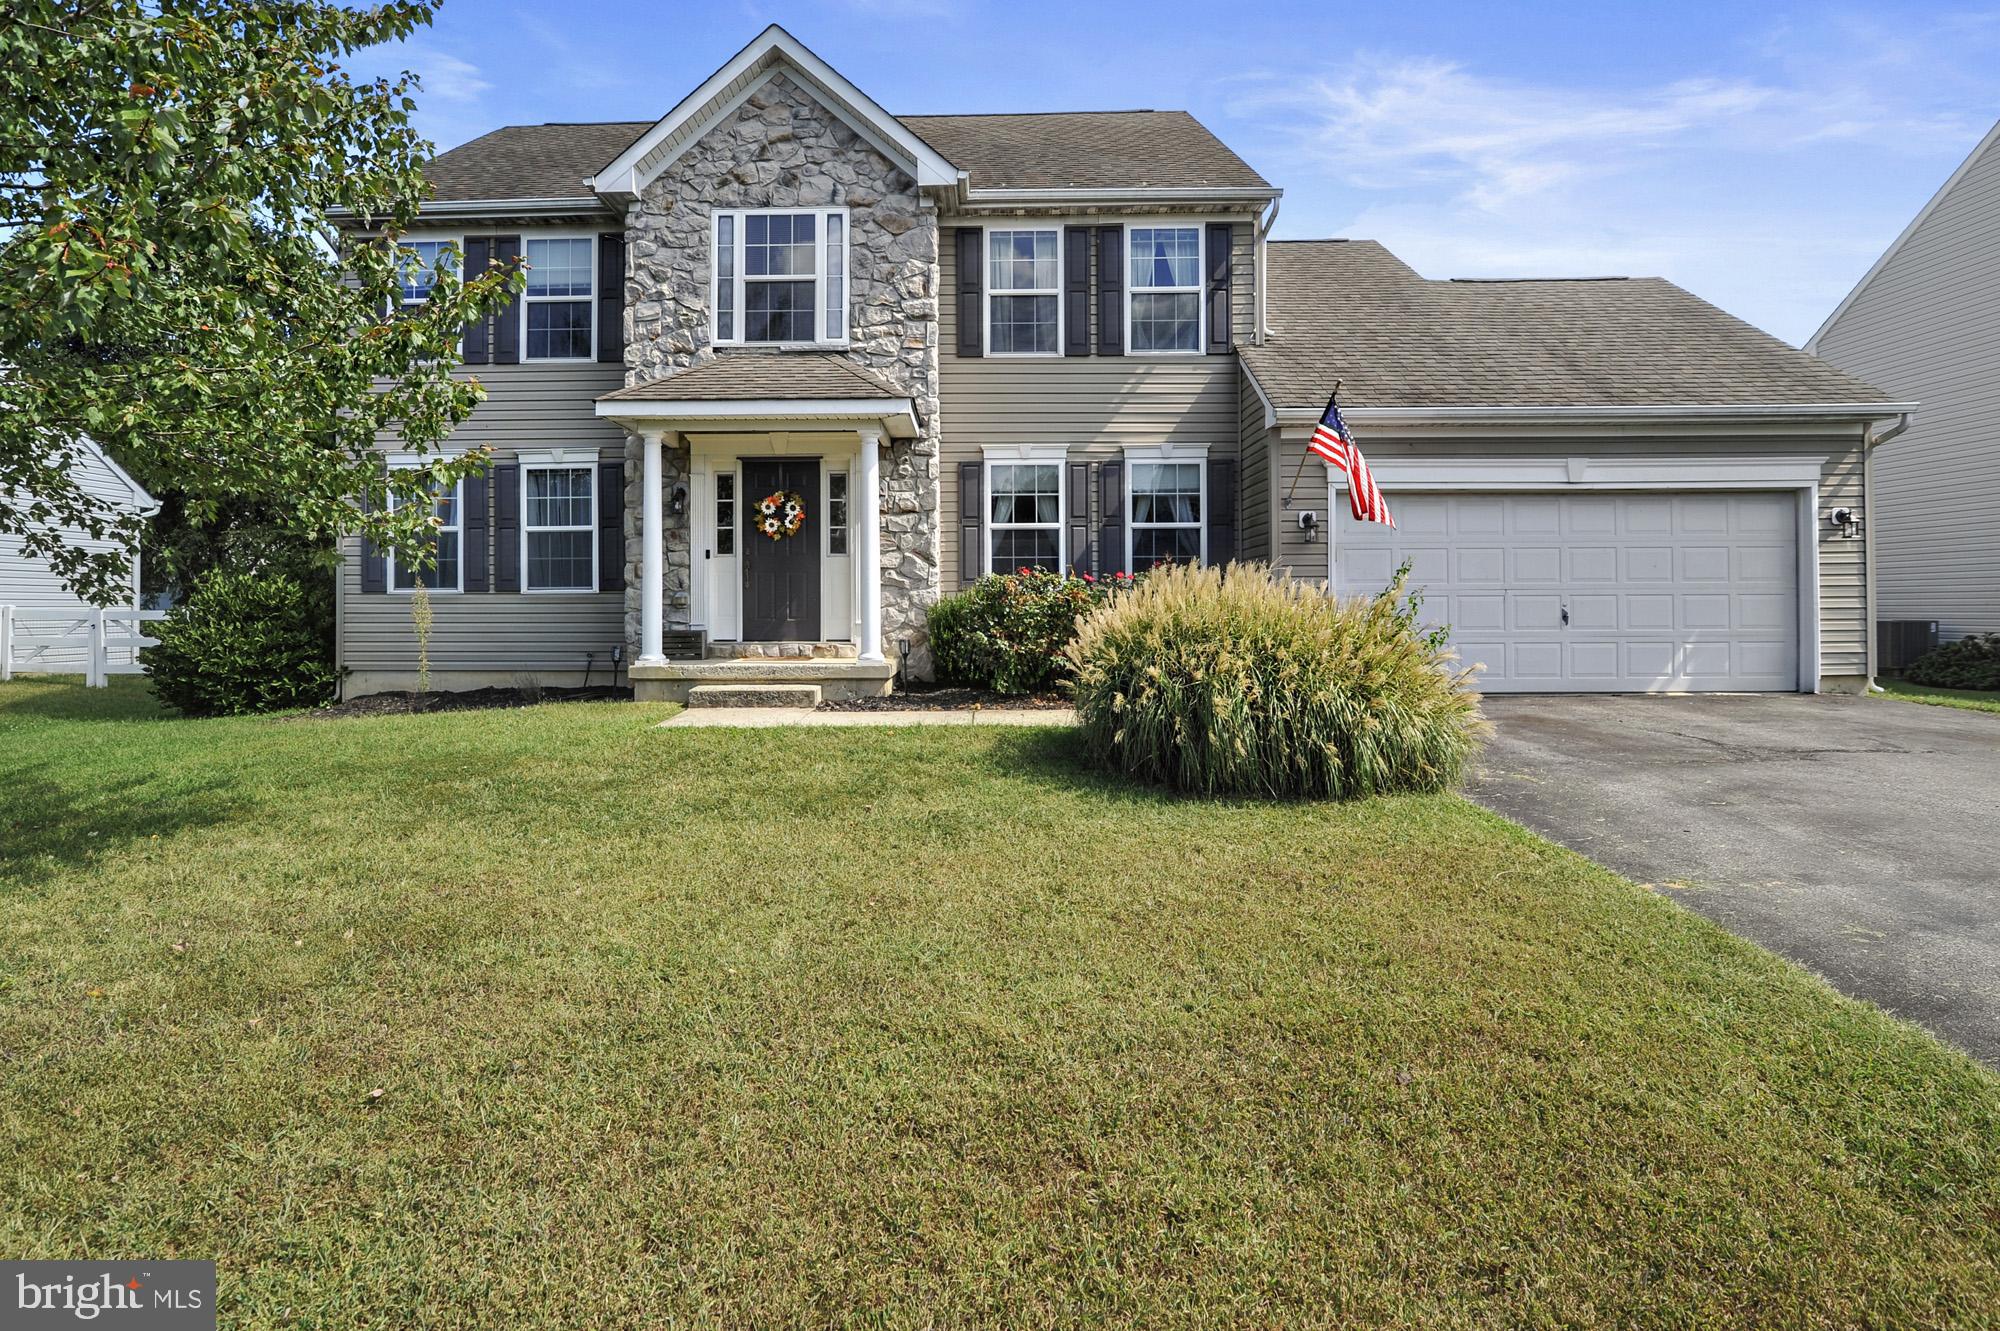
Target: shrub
{"x":1233,"y":682}
{"x":243,"y":643}
{"x":1969,"y":663}
{"x":1007,"y":632}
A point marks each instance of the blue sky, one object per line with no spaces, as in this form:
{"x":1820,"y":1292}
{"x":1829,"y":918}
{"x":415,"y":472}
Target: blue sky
{"x":1760,"y":155}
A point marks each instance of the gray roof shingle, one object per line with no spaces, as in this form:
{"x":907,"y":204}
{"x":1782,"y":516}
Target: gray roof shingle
{"x":1349,"y":309}
{"x":1059,"y":150}
{"x":743,"y":376}
{"x":1086,"y":150}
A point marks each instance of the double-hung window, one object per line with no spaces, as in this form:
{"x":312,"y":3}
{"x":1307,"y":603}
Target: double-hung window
{"x":559,"y":527}
{"x":1024,"y":505}
{"x":1023,"y":293}
{"x":420,"y":263}
{"x":1168,"y":502}
{"x":1164,"y":290}
{"x":781,"y":277}
{"x":446,"y":572}
{"x":557,"y":302}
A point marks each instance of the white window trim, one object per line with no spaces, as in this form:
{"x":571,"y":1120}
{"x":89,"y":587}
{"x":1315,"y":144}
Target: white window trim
{"x":410,"y":462}
{"x":1194,"y":453}
{"x":526,"y":299}
{"x":987,"y":293}
{"x":1199,"y":225}
{"x":559,"y":461}
{"x":740,"y":279}
{"x":1024,"y":453}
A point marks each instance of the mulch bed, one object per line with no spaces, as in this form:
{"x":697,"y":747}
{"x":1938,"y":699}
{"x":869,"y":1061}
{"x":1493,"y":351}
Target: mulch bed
{"x":922,"y":698}
{"x":471,"y":700}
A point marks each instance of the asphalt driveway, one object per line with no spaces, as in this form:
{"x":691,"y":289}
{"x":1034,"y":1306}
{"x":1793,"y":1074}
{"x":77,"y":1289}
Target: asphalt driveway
{"x":1859,"y":837}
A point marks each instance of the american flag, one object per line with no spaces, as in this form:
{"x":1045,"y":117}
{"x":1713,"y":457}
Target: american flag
{"x":1332,"y":441}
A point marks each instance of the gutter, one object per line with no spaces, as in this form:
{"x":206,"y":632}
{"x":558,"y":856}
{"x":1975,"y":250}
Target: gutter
{"x":442,"y":208}
{"x":1870,"y":442}
{"x":1263,"y":238}
{"x":1511,"y":415}
{"x":1024,"y":198}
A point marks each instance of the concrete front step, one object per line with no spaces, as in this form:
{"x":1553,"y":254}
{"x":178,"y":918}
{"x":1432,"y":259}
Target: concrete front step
{"x":754,"y":695}
{"x":673,"y":681}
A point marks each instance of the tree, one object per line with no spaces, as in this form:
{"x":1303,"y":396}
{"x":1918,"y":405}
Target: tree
{"x":170,"y":281}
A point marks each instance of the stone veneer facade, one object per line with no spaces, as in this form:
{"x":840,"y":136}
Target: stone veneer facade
{"x":781,"y":149}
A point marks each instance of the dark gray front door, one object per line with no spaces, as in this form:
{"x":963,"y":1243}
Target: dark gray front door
{"x":780,"y":577}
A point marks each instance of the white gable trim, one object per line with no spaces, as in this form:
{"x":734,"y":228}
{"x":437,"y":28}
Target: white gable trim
{"x":1895,"y":247}
{"x":724,"y":91}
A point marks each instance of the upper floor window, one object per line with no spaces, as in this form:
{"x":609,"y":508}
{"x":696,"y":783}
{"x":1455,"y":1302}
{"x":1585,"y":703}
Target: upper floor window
{"x":446,"y":573}
{"x":781,"y":276}
{"x":422,"y":263}
{"x":559,"y":527}
{"x":558,"y":304}
{"x":1165,"y":288}
{"x":1023,"y":293}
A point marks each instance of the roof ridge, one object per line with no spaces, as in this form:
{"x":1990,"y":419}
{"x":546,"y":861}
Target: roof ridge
{"x":1516,"y":281}
{"x":1019,"y":115}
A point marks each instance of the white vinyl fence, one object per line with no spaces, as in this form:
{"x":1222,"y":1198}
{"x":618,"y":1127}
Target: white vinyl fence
{"x":39,"y":638}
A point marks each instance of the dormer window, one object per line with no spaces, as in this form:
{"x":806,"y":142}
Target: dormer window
{"x":780,"y":277}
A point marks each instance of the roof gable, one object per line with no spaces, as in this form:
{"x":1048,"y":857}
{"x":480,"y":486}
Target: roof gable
{"x":774,"y":51}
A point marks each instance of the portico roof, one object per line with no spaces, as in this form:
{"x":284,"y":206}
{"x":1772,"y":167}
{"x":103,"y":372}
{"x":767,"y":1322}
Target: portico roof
{"x":766,"y":390}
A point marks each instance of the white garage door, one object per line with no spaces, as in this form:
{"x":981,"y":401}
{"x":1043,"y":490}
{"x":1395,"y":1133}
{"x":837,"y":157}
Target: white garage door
{"x":1617,"y":593}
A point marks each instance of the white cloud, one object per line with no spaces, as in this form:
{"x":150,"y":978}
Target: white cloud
{"x":446,"y":78}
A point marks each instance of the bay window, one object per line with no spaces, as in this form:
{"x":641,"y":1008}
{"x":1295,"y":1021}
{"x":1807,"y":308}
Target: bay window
{"x":1023,"y":293}
{"x":780,"y":276}
{"x":1164,"y":288}
{"x":558,"y":527}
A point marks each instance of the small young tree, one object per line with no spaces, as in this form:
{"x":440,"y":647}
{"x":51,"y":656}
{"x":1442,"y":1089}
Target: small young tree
{"x":170,"y":281}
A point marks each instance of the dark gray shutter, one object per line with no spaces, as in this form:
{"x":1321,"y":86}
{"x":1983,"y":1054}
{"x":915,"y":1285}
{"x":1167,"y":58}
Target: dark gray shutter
{"x":1111,"y":518}
{"x":611,"y":526}
{"x":1220,"y":338}
{"x":507,"y":527}
{"x":971,"y":525}
{"x":611,"y":298}
{"x":1221,"y":511}
{"x":507,"y":324}
{"x":1110,"y":291}
{"x":971,"y":313}
{"x":1080,"y":560}
{"x":475,"y":551}
{"x":1076,"y":291}
{"x":478,"y":339}
{"x":374,"y":568}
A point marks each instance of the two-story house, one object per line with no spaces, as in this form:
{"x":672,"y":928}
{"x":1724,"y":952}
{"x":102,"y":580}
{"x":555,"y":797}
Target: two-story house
{"x":788,"y":367}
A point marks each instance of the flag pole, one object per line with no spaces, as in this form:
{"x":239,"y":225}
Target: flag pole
{"x":1330,"y":401}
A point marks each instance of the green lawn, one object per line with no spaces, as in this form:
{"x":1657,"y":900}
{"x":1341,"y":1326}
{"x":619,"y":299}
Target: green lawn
{"x":1976,"y":700}
{"x":551,"y":1018}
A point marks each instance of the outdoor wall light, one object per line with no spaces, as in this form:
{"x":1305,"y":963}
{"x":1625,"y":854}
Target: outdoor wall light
{"x":677,"y":501}
{"x":1847,"y":522}
{"x":1309,"y":523}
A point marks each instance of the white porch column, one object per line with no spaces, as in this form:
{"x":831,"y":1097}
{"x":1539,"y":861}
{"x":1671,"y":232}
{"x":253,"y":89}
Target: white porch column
{"x":871,"y":543}
{"x":652,"y":561}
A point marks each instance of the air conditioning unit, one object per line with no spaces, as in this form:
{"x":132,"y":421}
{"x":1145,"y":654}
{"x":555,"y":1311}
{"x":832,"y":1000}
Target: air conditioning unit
{"x":1899,"y":642}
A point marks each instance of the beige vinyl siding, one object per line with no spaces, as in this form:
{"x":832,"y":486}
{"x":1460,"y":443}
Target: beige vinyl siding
{"x":31,"y":584}
{"x":1926,"y":328}
{"x":1253,"y":475}
{"x":1842,"y":563}
{"x":1091,"y":405}
{"x":528,"y":407}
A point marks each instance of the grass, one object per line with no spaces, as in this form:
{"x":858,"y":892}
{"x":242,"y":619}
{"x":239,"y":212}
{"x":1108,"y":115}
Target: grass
{"x":1974,"y":700}
{"x":551,"y":1018}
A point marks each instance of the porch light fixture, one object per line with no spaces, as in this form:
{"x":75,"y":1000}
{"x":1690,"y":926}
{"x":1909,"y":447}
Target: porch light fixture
{"x":1847,"y":522}
{"x":677,"y":502}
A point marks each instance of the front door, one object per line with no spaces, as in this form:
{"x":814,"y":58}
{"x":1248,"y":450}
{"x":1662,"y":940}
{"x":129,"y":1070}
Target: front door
{"x":781,"y":572}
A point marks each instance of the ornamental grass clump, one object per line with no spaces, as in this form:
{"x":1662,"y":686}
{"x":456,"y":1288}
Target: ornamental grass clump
{"x":1233,"y":682}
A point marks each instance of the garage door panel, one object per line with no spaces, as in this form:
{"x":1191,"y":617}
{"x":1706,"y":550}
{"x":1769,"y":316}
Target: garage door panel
{"x":1664,"y":592}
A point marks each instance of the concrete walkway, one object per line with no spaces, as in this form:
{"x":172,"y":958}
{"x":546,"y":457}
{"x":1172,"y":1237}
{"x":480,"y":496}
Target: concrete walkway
{"x":764,"y":718}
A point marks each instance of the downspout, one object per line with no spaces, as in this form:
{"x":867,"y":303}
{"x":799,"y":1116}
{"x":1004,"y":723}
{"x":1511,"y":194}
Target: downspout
{"x":1263,"y":236}
{"x":1870,"y":442}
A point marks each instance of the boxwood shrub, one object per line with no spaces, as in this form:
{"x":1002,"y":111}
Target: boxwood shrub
{"x":1007,"y":632}
{"x":1233,"y":682}
{"x":1969,"y":663}
{"x":243,"y":642}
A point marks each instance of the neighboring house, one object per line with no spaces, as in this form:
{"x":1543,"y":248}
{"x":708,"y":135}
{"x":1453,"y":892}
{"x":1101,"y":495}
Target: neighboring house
{"x":30,"y":585}
{"x":973,"y":343}
{"x":1925,"y":323}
